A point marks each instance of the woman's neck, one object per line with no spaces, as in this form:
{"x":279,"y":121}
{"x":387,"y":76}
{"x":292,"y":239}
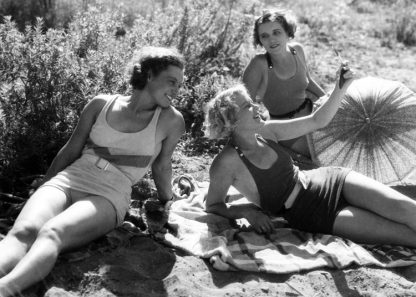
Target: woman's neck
{"x":281,"y":56}
{"x":247,"y":140}
{"x":140,"y":101}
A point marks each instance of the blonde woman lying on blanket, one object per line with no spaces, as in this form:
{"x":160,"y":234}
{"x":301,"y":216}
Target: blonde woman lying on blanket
{"x":330,"y":200}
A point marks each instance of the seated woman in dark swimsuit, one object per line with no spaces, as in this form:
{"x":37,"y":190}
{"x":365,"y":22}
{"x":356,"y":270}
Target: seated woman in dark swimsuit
{"x":279,"y":78}
{"x":331,"y":200}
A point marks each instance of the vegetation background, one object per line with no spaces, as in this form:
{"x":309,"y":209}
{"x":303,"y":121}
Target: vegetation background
{"x":57,"y":55}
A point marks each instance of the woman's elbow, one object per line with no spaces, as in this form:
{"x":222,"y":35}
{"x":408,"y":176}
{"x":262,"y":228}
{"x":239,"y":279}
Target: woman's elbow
{"x":213,"y":207}
{"x":319,"y":122}
{"x":209,"y":207}
{"x":161,"y":164}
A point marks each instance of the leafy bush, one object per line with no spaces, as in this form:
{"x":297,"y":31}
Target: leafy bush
{"x":40,"y":98}
{"x":54,"y":13}
{"x":399,"y":25}
{"x":191,"y":103}
{"x":405,"y":25}
{"x":47,"y":76}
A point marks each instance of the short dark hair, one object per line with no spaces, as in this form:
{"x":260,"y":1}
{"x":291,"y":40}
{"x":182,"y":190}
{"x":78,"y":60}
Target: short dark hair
{"x":154,"y":60}
{"x":283,"y":17}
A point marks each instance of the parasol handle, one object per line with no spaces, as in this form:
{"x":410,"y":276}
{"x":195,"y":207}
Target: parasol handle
{"x":341,"y":77}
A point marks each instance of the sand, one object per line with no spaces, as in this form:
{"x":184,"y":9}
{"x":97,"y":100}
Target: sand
{"x":143,"y":266}
{"x":147,"y":268}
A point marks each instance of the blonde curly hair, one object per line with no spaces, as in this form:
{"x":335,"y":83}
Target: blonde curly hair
{"x":221,"y":112}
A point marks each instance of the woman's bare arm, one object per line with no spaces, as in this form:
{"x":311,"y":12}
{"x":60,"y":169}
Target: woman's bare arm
{"x":289,"y":129}
{"x":253,"y":77}
{"x":162,"y":166}
{"x":73,"y":148}
{"x":221,"y":178}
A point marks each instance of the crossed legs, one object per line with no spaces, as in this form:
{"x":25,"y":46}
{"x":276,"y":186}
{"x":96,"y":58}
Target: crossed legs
{"x":377,"y":213}
{"x":47,"y":225}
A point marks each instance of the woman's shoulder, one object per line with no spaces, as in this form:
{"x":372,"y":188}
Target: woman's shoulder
{"x":226,"y":159}
{"x":102,"y":99}
{"x":172,"y":119}
{"x":296,"y":45}
{"x":259,"y":59}
{"x":97,"y":103}
{"x":171,"y":114}
{"x":255,"y":68}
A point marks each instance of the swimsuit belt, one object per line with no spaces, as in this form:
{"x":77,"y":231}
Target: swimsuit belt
{"x":292,"y":113}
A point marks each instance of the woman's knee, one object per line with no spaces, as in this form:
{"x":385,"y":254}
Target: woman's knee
{"x":406,"y":210}
{"x":24,"y":231}
{"x":53,"y":234}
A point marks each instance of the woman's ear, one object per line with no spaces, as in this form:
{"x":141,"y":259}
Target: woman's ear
{"x":149,"y":75}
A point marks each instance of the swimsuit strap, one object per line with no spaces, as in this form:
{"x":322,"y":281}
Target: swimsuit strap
{"x":259,"y":137}
{"x":269,"y":58}
{"x":269,"y":61}
{"x":240,"y":153}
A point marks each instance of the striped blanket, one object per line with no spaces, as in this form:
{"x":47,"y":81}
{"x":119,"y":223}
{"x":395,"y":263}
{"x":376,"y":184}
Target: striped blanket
{"x":232,"y":247}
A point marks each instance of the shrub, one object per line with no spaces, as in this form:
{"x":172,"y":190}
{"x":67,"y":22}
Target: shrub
{"x":191,"y":102}
{"x":47,"y":76}
{"x":40,"y":97}
{"x":405,"y":24}
{"x":399,"y":25}
{"x":56,"y":14}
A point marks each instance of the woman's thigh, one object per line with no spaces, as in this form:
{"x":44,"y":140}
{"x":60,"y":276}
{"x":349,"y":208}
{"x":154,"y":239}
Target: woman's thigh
{"x":367,"y":193}
{"x":85,"y":220}
{"x":44,"y":204}
{"x":363,"y":226}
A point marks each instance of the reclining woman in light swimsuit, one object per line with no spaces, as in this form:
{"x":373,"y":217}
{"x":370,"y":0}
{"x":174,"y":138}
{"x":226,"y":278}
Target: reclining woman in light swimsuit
{"x":86,"y":191}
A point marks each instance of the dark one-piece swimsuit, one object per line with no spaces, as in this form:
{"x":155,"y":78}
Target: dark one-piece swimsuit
{"x":319,"y":200}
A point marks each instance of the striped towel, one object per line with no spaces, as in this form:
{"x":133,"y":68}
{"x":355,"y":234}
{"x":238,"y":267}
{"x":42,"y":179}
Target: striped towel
{"x":229,"y":247}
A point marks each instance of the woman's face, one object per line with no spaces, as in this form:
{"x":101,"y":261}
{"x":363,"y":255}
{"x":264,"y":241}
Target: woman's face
{"x":273,"y":37}
{"x":248,"y":110}
{"x":165,"y":86}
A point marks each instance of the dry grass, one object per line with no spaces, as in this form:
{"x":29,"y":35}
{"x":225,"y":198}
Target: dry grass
{"x":367,"y":32}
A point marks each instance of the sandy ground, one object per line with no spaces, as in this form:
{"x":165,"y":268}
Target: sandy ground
{"x":142,"y":266}
{"x":147,"y":268}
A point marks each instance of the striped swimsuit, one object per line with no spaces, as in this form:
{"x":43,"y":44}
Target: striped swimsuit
{"x":111,"y":162}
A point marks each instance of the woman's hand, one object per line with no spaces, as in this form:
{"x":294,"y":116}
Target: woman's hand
{"x":260,"y":221}
{"x":345,"y":75}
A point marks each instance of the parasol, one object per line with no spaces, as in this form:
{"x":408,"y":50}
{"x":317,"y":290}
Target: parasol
{"x":373,"y":132}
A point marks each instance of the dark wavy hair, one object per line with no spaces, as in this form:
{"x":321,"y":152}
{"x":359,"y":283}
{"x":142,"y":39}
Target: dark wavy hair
{"x":284,"y":17}
{"x":152,"y":60}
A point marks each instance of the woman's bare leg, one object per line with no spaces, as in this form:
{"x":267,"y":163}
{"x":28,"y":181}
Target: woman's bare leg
{"x":377,"y":211}
{"x":366,"y":193}
{"x":363,"y":226}
{"x":82,"y":222}
{"x":43,"y":205}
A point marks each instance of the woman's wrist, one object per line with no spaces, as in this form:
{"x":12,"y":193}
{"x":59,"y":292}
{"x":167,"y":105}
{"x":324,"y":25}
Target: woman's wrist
{"x":168,"y":200}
